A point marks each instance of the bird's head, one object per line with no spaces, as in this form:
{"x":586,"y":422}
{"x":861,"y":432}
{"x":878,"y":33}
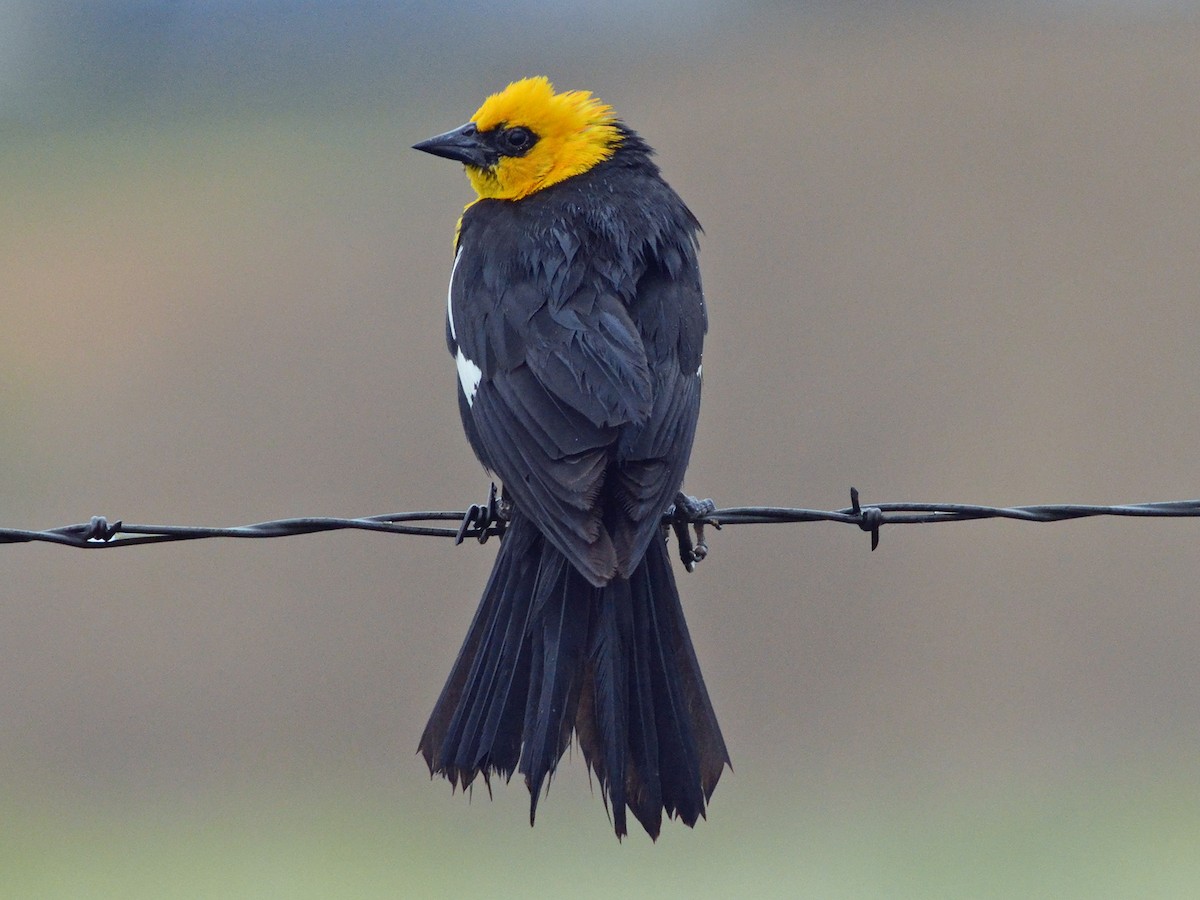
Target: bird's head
{"x":527,"y":137}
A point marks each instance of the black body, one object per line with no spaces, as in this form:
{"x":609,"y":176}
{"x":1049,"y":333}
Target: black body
{"x":581,"y":307}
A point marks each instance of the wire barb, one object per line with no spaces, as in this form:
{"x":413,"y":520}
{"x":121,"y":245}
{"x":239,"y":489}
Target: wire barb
{"x":99,"y":530}
{"x":870,"y":517}
{"x":481,"y":522}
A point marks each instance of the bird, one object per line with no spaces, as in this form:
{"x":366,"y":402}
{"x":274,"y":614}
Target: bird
{"x":576,"y":319}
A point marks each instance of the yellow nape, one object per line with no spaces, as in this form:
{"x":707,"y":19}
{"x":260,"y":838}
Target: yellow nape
{"x":575,"y":131}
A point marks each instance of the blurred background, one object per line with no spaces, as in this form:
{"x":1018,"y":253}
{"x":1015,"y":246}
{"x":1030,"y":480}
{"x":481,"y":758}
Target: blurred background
{"x":950,"y":255}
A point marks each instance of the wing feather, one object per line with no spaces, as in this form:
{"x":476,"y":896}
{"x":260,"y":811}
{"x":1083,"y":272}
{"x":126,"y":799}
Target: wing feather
{"x":587,"y":345}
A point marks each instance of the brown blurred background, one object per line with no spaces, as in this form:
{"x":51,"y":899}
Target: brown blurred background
{"x":951,"y":255}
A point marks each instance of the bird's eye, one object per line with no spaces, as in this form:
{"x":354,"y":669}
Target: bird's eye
{"x":515,"y":141}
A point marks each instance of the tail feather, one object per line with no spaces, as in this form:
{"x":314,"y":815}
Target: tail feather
{"x":548,"y":655}
{"x":473,"y":728}
{"x":711,"y":753}
{"x":643,"y":777}
{"x":601,"y":722}
{"x":558,"y":643}
{"x":692,"y":752}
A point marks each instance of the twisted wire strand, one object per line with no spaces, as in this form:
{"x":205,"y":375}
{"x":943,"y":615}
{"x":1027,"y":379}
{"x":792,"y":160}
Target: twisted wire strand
{"x":482,"y":522}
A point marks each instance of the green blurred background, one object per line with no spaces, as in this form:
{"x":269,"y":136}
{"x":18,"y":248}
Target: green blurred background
{"x":951,"y":255}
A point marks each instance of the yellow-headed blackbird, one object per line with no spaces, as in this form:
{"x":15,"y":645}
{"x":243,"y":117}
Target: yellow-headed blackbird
{"x":576,"y":319}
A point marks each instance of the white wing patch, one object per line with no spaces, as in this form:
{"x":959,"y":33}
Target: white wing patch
{"x":469,"y":374}
{"x":450,"y":294}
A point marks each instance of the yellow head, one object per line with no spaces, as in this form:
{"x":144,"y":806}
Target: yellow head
{"x":527,"y":137}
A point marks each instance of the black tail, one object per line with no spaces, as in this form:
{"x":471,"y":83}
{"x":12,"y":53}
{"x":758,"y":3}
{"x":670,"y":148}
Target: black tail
{"x":548,"y":654}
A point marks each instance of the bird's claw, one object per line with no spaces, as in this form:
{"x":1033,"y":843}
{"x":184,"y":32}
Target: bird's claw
{"x":691,"y":511}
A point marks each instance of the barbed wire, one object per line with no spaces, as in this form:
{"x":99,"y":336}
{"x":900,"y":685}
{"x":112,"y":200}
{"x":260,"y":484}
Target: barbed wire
{"x":686,"y":517}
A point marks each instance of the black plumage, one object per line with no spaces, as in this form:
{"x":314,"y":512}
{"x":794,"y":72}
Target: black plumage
{"x":578,"y":318}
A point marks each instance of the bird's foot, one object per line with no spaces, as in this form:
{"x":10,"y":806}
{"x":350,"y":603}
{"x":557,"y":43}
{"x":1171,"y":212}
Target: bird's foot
{"x":696,"y":513}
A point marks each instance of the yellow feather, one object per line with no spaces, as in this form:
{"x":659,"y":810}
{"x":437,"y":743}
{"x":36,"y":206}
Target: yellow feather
{"x":575,"y":132}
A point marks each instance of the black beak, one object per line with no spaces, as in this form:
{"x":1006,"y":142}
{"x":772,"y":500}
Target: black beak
{"x":461,"y":144}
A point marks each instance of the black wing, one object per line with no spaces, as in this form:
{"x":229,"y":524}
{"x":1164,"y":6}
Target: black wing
{"x":585,"y":345}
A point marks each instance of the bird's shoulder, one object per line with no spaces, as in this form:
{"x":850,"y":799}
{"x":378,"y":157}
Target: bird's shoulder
{"x":617,"y":230}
